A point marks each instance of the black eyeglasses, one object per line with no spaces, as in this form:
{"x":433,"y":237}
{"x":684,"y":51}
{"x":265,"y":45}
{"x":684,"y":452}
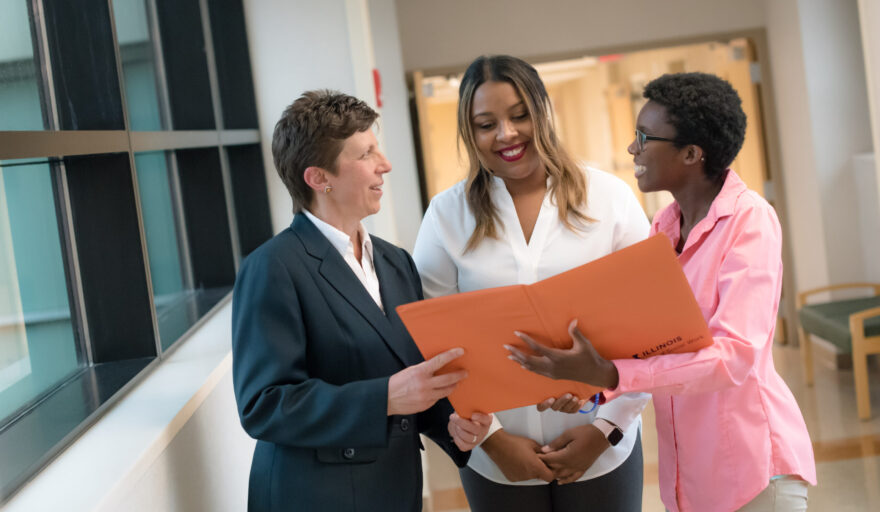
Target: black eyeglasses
{"x":642,"y":138}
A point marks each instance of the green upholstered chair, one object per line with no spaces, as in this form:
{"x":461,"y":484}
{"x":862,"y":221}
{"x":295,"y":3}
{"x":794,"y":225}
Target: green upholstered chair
{"x":853,"y":326}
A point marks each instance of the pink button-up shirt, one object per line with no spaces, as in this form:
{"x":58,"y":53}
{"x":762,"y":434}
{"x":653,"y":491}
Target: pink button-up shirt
{"x":726,"y":421}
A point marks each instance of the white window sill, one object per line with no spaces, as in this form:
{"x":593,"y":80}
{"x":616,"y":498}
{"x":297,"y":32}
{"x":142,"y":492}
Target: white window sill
{"x":112,"y":455}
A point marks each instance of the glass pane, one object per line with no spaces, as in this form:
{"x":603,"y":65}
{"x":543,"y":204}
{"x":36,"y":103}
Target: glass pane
{"x":19,"y":72}
{"x":83,"y":56}
{"x":250,"y":195}
{"x":138,"y":68}
{"x":233,"y":64}
{"x":186,"y":64}
{"x":160,"y":227}
{"x":37,"y":344}
{"x":178,"y":304}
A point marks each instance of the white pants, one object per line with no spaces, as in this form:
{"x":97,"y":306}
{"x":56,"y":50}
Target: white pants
{"x":784,"y":494}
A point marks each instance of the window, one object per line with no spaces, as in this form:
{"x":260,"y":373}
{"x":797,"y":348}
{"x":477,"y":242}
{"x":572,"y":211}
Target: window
{"x":131,"y":185}
{"x":37,"y":345}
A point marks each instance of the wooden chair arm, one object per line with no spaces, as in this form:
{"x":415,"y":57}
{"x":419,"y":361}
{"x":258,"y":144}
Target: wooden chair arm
{"x":802,"y":296}
{"x":860,"y":317}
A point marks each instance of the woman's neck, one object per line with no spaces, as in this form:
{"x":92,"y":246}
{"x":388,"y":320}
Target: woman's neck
{"x":328,"y":214}
{"x":694,"y":201}
{"x":535,"y":183}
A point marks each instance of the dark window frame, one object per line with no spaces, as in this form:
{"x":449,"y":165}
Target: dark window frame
{"x":100,"y":154}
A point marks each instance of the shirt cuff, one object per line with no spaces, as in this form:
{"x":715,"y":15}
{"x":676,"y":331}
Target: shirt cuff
{"x":494,"y":427}
{"x":625,"y":410}
{"x":632,"y":377}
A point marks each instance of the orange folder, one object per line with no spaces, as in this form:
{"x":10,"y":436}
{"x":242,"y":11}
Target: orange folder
{"x":635,"y":302}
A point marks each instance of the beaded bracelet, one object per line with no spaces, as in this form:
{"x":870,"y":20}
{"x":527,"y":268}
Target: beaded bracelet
{"x":596,"y":399}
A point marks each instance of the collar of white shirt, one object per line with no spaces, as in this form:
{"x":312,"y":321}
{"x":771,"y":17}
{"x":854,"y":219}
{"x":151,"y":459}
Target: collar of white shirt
{"x":364,"y":270}
{"x":339,"y":239}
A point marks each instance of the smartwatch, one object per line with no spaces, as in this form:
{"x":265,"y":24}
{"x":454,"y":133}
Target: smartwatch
{"x":611,"y":431}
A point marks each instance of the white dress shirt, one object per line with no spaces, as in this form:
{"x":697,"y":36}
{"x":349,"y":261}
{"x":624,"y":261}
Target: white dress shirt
{"x":445,"y":268}
{"x":364,"y":270}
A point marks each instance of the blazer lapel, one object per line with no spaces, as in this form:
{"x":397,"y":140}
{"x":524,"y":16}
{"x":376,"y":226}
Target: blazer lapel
{"x":339,"y":275}
{"x":391,"y":280}
{"x":393,"y":285}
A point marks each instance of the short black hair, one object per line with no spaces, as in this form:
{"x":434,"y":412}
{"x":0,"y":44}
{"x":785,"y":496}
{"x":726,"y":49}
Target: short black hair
{"x":705,"y":110}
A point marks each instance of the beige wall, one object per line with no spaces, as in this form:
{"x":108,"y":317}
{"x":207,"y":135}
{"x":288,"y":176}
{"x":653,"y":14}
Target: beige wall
{"x":450,"y":33}
{"x":446,"y":156}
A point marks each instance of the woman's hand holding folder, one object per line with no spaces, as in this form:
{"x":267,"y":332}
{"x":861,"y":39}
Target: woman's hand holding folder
{"x":468,"y":433}
{"x":580,"y":363}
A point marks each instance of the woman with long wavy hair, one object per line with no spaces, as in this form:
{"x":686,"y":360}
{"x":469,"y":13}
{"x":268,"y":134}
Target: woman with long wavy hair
{"x":528,"y":211}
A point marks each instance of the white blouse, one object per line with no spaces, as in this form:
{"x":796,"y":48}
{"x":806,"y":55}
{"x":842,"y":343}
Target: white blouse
{"x":445,"y":269}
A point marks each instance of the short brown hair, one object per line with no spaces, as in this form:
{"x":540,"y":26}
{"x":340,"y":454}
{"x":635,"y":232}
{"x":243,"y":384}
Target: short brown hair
{"x":311,"y":132}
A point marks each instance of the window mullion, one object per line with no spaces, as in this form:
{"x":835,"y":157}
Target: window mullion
{"x":41,"y":43}
{"x":218,"y":116}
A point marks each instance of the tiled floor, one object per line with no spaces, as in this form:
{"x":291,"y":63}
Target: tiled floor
{"x":847,"y":450}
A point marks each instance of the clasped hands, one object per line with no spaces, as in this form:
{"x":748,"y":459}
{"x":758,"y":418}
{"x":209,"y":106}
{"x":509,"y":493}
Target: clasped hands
{"x":565,"y":459}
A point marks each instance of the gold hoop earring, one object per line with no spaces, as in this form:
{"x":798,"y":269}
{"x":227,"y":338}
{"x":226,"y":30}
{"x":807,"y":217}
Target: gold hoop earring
{"x":327,"y":189}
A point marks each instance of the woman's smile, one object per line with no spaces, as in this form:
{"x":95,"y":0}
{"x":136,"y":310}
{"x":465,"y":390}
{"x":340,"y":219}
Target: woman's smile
{"x":512,"y":153}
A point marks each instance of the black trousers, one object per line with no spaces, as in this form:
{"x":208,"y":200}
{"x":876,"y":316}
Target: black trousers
{"x":617,"y":491}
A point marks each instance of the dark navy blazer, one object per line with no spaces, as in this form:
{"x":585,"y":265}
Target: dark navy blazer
{"x":312,"y":354}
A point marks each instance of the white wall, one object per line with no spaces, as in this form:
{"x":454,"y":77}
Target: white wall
{"x":204,"y":468}
{"x":865,"y":169}
{"x":300,"y":45}
{"x":869,"y":19}
{"x":396,"y":124}
{"x":451,"y":33}
{"x":822,"y":111}
{"x":799,"y":175}
{"x":295,"y":45}
{"x":840,"y":123}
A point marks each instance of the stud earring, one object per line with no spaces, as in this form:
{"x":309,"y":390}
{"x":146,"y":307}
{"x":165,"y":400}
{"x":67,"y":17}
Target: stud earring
{"x":327,"y":189}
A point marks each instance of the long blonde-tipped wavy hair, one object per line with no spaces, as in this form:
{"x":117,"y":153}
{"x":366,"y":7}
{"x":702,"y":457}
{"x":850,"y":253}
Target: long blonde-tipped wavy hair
{"x":567,"y":185}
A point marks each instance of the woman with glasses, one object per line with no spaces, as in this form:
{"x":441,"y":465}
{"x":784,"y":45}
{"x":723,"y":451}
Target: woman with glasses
{"x":526,"y":212}
{"x":730,"y":433}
